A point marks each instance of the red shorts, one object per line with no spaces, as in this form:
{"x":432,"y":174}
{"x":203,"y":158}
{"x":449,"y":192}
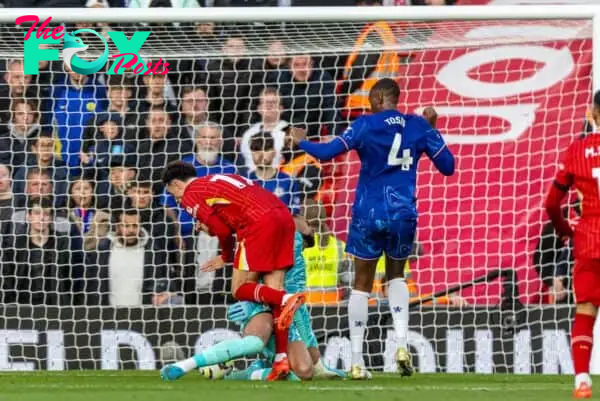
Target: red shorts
{"x":268,"y":245}
{"x":586,"y":281}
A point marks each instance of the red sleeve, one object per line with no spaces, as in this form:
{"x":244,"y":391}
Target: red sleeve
{"x":560,"y":187}
{"x":218,"y":229}
{"x":193,"y":201}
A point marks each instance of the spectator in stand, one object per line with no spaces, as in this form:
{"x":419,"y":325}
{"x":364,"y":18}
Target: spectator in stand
{"x":228,"y":80}
{"x":309,"y":95}
{"x":195,"y":112}
{"x":269,"y":111}
{"x":15,"y":87}
{"x":23,"y":126}
{"x":127,"y":268}
{"x":38,"y":182}
{"x":164,"y":143}
{"x":121,"y":90}
{"x":110,"y":191}
{"x":153,"y":217}
{"x":40,"y":266}
{"x":77,"y":99}
{"x":553,"y":261}
{"x":92,"y":224}
{"x":157,"y":93}
{"x":42,"y":157}
{"x":274,"y":65}
{"x":7,"y":207}
{"x":104,"y":139}
{"x":268,"y":176}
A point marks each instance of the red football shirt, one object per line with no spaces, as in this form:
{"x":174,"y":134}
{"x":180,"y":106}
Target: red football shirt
{"x":581,"y":170}
{"x":227,"y":204}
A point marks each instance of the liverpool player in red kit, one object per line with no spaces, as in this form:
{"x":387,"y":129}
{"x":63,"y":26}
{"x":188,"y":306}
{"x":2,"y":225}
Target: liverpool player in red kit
{"x":229,"y":204}
{"x":581,"y":170}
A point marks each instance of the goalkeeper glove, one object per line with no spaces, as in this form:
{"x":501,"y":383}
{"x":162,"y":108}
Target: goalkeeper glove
{"x":240,"y":311}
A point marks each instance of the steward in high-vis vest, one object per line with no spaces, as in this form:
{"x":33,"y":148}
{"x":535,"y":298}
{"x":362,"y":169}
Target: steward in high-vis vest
{"x":327,"y":265}
{"x":366,"y":65}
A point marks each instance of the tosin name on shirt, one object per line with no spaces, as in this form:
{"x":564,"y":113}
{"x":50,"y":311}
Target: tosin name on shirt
{"x":396,"y":120}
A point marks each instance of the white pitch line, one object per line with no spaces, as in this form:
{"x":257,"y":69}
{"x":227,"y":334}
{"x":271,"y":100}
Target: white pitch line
{"x":499,"y":388}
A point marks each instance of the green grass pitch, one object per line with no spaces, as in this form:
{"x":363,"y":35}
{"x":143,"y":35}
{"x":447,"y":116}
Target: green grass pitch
{"x":147,"y":386}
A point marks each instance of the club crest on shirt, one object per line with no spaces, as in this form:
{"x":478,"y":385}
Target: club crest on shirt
{"x":279,"y":192}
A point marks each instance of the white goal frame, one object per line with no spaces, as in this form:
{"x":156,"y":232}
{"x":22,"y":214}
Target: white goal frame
{"x":321,"y":14}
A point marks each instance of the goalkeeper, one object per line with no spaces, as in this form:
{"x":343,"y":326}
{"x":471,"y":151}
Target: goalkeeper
{"x":305,"y":358}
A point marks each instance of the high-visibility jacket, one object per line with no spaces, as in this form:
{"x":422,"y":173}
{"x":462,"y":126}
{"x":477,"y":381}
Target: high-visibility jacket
{"x":386,"y":67}
{"x":295,"y":166}
{"x":323,"y":266}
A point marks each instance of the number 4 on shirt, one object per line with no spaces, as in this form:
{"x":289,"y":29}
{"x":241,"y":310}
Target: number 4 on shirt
{"x":393,"y":160}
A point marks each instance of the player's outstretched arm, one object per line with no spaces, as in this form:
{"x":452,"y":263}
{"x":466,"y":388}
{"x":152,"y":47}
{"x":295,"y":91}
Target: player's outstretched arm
{"x":324,"y":151}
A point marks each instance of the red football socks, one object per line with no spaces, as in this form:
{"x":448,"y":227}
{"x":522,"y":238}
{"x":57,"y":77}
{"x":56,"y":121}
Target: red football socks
{"x":281,"y":336}
{"x":260,"y":293}
{"x":581,"y":342}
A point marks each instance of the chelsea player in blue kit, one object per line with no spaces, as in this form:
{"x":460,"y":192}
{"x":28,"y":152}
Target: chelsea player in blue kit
{"x":384,"y":214}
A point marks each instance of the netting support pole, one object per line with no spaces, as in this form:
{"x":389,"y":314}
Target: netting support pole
{"x":596,"y":51}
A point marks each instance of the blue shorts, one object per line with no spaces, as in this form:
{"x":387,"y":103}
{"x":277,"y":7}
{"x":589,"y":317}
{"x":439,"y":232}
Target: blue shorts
{"x":369,"y":239}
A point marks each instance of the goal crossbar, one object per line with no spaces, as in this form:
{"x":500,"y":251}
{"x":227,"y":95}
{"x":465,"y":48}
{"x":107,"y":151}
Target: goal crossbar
{"x":307,"y":14}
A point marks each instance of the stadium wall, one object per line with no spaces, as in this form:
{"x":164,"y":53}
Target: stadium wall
{"x":532,"y":340}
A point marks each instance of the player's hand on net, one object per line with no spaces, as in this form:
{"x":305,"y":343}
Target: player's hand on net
{"x":430,"y":115}
{"x":212,"y":265}
{"x":297,"y":134}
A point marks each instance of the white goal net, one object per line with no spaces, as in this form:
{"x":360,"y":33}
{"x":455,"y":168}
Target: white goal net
{"x":99,"y":267}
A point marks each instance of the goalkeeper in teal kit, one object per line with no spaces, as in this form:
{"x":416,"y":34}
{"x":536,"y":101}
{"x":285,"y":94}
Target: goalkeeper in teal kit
{"x":303,"y":350}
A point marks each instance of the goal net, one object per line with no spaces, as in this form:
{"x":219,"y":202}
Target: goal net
{"x":100,"y":268}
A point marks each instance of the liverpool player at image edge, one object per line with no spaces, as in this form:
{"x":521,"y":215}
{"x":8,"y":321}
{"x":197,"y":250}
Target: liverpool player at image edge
{"x":228,"y":204}
{"x":384,"y":215}
{"x":580,"y":169}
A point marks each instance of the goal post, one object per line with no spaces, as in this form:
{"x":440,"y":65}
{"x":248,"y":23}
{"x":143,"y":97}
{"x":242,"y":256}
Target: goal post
{"x":511,"y":85}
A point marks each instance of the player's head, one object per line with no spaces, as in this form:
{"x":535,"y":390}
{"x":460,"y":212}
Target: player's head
{"x":596,"y":109}
{"x":177,"y":176}
{"x":263,"y":150}
{"x":384,"y":95}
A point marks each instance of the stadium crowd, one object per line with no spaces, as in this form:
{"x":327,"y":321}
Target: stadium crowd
{"x":84,"y":218}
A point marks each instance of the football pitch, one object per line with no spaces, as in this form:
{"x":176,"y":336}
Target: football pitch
{"x":147,"y":386}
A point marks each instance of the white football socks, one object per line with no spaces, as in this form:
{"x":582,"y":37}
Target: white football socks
{"x":398,"y":297}
{"x":583,"y":378}
{"x":187,"y":365}
{"x":358,"y":311}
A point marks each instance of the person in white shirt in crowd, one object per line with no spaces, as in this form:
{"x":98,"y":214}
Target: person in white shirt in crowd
{"x":270,"y":110}
{"x":128,"y":268}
